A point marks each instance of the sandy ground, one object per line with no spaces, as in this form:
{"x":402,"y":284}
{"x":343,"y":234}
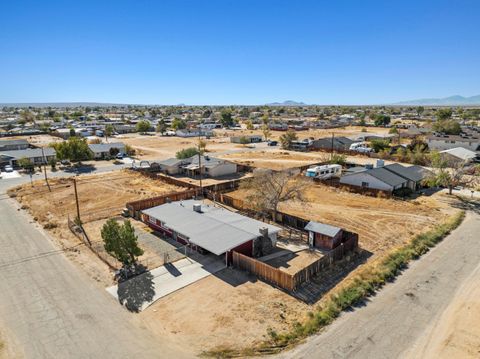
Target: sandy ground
{"x":36,"y":140}
{"x":278,"y":159}
{"x":100,"y":196}
{"x":160,"y":147}
{"x":229,"y":308}
{"x":381,"y":223}
{"x":456,"y":334}
{"x":294,"y":262}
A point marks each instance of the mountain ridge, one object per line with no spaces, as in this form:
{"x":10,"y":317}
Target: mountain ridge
{"x":455,"y":100}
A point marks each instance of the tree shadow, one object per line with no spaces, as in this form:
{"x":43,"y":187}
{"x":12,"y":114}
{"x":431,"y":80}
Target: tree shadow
{"x":134,"y":292}
{"x":80,"y":168}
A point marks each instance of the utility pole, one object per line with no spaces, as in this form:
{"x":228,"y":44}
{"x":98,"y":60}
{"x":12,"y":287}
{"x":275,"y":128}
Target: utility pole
{"x":200,"y":161}
{"x":45,"y":170}
{"x":331,"y":149}
{"x":76,"y":199}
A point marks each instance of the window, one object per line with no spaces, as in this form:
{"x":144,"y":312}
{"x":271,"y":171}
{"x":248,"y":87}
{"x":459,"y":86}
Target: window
{"x":364,"y":184}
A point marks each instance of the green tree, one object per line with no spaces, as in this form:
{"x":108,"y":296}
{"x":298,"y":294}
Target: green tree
{"x":450,"y":127}
{"x":109,"y":130}
{"x":420,"y":110}
{"x":226,"y":118}
{"x":26,"y":164}
{"x":287,"y":138}
{"x":381,"y":120}
{"x":121,"y":242}
{"x":380,"y":145}
{"x":202,"y":146}
{"x":186,"y":153}
{"x":143,"y":126}
{"x":74,"y":149}
{"x":178,"y":124}
{"x":338,"y":159}
{"x":161,"y":127}
{"x":444,"y":114}
{"x":249,"y":125}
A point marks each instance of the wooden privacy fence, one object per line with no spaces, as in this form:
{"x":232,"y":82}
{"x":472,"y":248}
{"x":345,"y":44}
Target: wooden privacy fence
{"x":264,"y":271}
{"x":329,"y":258}
{"x":291,"y":282}
{"x":136,"y":206}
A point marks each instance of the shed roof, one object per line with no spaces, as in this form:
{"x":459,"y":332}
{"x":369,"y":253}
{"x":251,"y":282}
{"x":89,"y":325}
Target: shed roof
{"x":322,"y":228}
{"x":460,"y":152}
{"x":215,"y":229}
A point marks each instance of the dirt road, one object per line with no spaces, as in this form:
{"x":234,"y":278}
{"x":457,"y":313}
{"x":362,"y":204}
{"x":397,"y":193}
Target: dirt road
{"x":53,"y":310}
{"x":391,"y":323}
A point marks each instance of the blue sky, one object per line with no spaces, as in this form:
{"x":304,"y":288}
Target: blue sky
{"x":238,"y":52}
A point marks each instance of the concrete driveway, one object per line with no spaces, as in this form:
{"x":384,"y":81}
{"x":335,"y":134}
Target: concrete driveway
{"x":140,"y":292}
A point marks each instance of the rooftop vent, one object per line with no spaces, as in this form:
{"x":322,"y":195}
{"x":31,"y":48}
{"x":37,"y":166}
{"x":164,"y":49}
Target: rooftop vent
{"x":197,"y":208}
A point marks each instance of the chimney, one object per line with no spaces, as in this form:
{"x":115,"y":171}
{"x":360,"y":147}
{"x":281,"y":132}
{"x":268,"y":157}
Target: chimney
{"x":263,"y":232}
{"x":197,"y":208}
{"x":380,"y":163}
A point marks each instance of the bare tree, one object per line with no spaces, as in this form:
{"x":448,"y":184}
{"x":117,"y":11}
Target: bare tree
{"x":267,"y":189}
{"x":450,"y":172}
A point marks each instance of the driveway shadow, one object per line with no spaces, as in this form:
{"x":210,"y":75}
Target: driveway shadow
{"x":134,"y":292}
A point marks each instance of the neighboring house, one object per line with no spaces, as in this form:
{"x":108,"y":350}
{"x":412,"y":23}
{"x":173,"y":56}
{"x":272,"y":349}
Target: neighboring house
{"x":62,"y":133}
{"x":303,"y":145}
{"x":35,"y":155}
{"x":194,"y":133}
{"x":250,"y":139}
{"x":338,"y":143}
{"x":102,"y":150}
{"x":172,"y":166}
{"x":124,"y":128}
{"x":209,"y":229}
{"x":323,"y":236}
{"x":459,"y":155}
{"x":413,"y":174}
{"x":375,"y":178}
{"x":13,"y":145}
{"x":210,"y":166}
{"x":442,"y":142}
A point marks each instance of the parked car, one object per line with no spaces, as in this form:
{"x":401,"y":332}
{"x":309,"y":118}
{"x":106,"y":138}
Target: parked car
{"x":120,"y":156}
{"x":360,"y":147}
{"x":8,"y":168}
{"x":272,"y":143}
{"x":65,"y":162}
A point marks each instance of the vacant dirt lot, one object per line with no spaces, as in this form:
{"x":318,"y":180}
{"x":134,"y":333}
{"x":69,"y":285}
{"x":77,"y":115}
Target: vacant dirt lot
{"x":157,"y":147}
{"x":229,"y":308}
{"x":100,"y":196}
{"x":381,"y":223}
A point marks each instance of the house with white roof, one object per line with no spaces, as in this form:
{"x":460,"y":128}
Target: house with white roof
{"x":210,"y":229}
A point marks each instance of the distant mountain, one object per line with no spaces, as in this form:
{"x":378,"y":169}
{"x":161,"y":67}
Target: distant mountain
{"x":287,"y":103}
{"x":62,"y":104}
{"x":456,"y":100}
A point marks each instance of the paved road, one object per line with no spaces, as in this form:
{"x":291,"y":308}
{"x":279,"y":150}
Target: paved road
{"x":53,"y":310}
{"x":391,"y":323}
